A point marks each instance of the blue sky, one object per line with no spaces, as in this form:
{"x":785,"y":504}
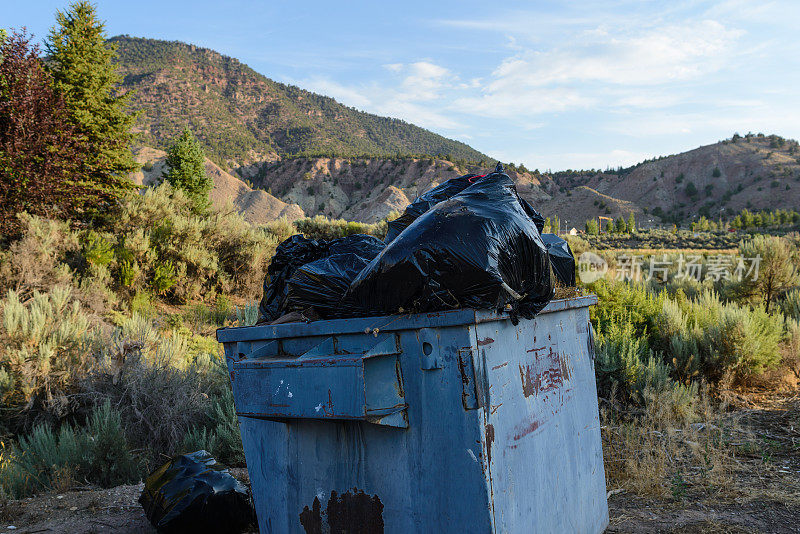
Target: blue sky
{"x":553,"y":85}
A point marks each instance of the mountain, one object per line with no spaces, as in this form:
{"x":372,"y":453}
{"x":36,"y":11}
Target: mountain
{"x":756,"y":172}
{"x":293,"y":152}
{"x":257,"y":207}
{"x":242,"y":117}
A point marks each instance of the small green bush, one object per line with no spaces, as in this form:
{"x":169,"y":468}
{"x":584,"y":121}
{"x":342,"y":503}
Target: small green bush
{"x":321,"y":227}
{"x":98,"y":453}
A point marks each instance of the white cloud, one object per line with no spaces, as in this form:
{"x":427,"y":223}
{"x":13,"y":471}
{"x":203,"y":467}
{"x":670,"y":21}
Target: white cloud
{"x":416,"y":98}
{"x":601,"y":67}
{"x":520,"y":103}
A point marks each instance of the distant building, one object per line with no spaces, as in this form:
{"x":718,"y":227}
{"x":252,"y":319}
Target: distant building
{"x":573,"y":231}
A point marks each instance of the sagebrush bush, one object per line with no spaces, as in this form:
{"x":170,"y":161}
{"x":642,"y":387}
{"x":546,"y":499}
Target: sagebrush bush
{"x":647,"y":334}
{"x":46,"y":344}
{"x":790,"y":306}
{"x":170,"y":249}
{"x":97,"y":452}
{"x":707,"y":336}
{"x":320,"y":227}
{"x":625,"y":366}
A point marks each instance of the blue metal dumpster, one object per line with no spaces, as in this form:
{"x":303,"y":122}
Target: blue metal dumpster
{"x":454,"y":421}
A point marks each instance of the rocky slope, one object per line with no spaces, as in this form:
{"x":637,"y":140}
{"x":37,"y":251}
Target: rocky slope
{"x":256,"y":206}
{"x":368,"y":189}
{"x":715,"y":180}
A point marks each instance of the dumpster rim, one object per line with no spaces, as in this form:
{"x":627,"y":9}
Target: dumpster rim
{"x":373,"y":325}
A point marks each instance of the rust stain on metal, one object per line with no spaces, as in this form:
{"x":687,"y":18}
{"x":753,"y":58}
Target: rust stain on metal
{"x":494,"y":368}
{"x":485,"y":341}
{"x":311,"y":520}
{"x":352,"y":512}
{"x":489,"y":442}
{"x":327,"y":408}
{"x":398,"y":386}
{"x":233,"y":374}
{"x":528,"y":380}
{"x":535,"y":349}
{"x":495,"y":407}
{"x":527,"y":429}
{"x":355,"y":513}
{"x":536,"y":380}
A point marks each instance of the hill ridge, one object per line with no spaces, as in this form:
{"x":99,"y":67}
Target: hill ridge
{"x":241,"y":116}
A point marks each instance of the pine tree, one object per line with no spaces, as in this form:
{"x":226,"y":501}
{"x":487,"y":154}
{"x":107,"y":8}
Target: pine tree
{"x":186,"y":170}
{"x":631,"y":223}
{"x":81,"y":63}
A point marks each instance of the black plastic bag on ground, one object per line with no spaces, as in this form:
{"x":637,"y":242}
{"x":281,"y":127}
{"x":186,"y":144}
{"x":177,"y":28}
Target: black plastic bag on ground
{"x":442,"y":192}
{"x":314,"y":273}
{"x":322,"y":283}
{"x":479,"y":249}
{"x":194,"y":493}
{"x":561,"y":258}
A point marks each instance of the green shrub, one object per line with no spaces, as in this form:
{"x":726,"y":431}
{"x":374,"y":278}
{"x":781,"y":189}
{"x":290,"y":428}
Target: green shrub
{"x":790,"y":306}
{"x":97,"y":452}
{"x":163,"y":277}
{"x":696,"y":338}
{"x":97,"y":250}
{"x":46,"y":343}
{"x":247,"y":315}
{"x":216,"y":253}
{"x":320,"y":227}
{"x":626,"y":368}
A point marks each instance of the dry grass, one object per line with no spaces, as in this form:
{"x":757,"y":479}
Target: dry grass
{"x":744,"y":454}
{"x":655,"y":452}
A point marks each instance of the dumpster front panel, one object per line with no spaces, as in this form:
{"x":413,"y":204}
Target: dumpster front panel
{"x":310,"y":470}
{"x":542,"y":430}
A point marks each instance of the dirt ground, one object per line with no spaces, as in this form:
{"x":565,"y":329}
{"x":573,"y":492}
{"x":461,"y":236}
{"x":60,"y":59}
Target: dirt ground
{"x":765,"y":496}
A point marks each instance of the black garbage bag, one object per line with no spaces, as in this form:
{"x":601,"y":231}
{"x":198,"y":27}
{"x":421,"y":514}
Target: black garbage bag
{"x":294,"y":252}
{"x":561,"y":258}
{"x":479,"y":249}
{"x":440,"y":193}
{"x":194,"y":493}
{"x":314,"y":273}
{"x":322,"y":283}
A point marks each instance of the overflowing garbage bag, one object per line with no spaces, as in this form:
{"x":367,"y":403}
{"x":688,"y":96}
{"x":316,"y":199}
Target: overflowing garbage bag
{"x":194,"y":493}
{"x":310,"y":273}
{"x":481,"y":248}
{"x":322,"y":283}
{"x":561,"y":258}
{"x":443,"y":192}
{"x":471,"y":242}
{"x":291,"y":254}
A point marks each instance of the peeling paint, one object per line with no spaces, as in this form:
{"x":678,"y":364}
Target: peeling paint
{"x":545,"y":375}
{"x":489,"y":442}
{"x":485,"y":341}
